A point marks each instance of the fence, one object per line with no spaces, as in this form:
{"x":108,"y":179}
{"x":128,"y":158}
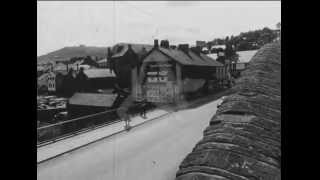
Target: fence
{"x":72,"y":127}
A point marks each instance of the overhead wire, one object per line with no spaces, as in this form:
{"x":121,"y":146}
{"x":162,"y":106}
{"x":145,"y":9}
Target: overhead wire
{"x":114,"y":22}
{"x":114,"y":41}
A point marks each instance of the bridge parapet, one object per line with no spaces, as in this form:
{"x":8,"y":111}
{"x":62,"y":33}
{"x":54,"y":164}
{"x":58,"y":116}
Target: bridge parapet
{"x":243,"y":139}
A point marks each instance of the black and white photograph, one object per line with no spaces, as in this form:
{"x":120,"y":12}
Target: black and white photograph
{"x":158,"y":90}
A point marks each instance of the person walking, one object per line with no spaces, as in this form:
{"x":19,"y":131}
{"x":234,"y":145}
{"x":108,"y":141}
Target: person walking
{"x":143,"y":112}
{"x":125,"y":96}
{"x":142,"y":105}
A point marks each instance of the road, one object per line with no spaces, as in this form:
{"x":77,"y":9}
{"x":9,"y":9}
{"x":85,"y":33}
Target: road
{"x":59,"y":147}
{"x":153,"y":150}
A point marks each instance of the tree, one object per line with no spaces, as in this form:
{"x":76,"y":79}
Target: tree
{"x":209,"y":45}
{"x":248,"y":40}
{"x":227,"y":39}
{"x":230,"y":53}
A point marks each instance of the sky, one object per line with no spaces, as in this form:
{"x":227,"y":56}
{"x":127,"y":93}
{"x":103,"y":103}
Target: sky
{"x":105,"y":23}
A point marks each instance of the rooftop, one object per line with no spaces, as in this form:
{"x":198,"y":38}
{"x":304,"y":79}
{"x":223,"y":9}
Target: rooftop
{"x":218,"y":46}
{"x":98,"y":73}
{"x":245,"y":56}
{"x":189,"y":58}
{"x":93,"y":99}
{"x":102,"y":60}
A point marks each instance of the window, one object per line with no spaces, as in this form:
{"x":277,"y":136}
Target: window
{"x":163,"y":79}
{"x":152,"y":79}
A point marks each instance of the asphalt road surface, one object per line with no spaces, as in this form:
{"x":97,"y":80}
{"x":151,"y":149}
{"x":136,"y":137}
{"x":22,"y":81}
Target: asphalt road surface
{"x":153,"y":150}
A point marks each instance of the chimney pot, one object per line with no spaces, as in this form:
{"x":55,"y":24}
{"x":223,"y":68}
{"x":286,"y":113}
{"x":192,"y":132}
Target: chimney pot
{"x":164,"y":44}
{"x":184,"y":47}
{"x":197,"y":50}
{"x":173,"y":47}
{"x":109,"y":54}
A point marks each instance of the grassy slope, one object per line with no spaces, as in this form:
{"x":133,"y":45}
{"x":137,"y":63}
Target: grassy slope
{"x":76,"y":51}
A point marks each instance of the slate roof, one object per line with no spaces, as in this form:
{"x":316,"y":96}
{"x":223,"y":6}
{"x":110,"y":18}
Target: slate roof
{"x":245,"y":56}
{"x":102,"y":61}
{"x":186,"y":59}
{"x":93,"y":99}
{"x":190,"y":58}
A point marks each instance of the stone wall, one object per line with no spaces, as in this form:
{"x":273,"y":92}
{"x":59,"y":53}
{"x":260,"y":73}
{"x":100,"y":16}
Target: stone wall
{"x":243,"y":139}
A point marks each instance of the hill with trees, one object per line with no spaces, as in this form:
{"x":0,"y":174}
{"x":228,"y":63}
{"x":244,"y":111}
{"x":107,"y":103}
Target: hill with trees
{"x":250,"y":40}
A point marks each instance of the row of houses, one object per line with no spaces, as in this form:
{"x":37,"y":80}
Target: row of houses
{"x":98,"y":78}
{"x":64,"y":65}
{"x":162,"y":73}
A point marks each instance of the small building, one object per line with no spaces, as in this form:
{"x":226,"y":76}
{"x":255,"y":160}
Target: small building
{"x":42,"y":80}
{"x":205,"y":50}
{"x":201,"y":43}
{"x":75,"y":65}
{"x":243,"y":62}
{"x":100,"y":79}
{"x":51,"y":82}
{"x":217,"y":48}
{"x":90,"y":61}
{"x":85,"y":63}
{"x":82,"y":104}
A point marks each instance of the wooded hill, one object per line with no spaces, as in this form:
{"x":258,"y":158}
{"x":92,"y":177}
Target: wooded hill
{"x":250,"y":40}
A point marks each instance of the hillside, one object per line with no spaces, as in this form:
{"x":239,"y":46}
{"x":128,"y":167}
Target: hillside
{"x":76,"y":51}
{"x":250,"y":40}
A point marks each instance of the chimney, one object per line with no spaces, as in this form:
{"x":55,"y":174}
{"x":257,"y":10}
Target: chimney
{"x":156,"y":45}
{"x":109,"y":54}
{"x":173,"y":47}
{"x":196,"y":50}
{"x":164,"y":44}
{"x":184,"y":47}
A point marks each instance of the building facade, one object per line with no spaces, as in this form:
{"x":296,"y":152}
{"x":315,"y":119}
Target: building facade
{"x":167,"y":75}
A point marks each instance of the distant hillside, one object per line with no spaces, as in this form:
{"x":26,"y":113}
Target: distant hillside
{"x":250,"y":40}
{"x":76,"y":51}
